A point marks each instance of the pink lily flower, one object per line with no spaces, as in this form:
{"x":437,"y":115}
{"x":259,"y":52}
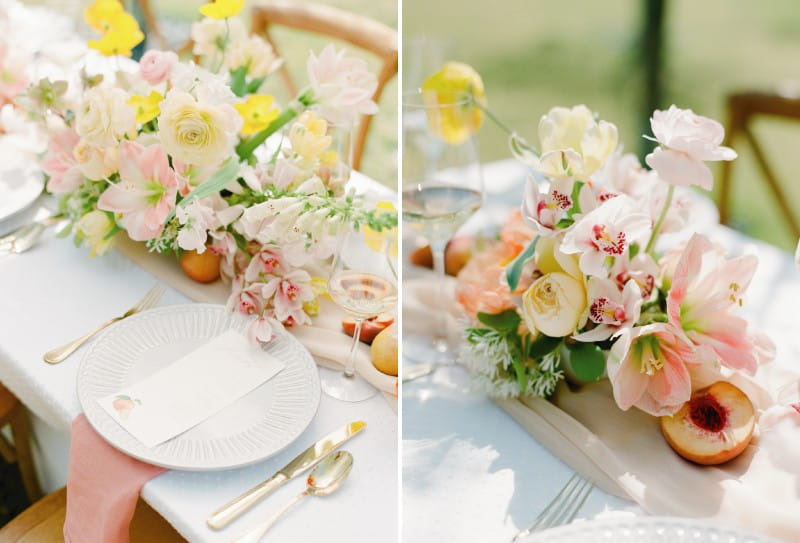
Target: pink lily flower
{"x":607,"y":231}
{"x":650,"y":368}
{"x":543,"y":211}
{"x":613,"y":311}
{"x":705,"y":287}
{"x":145,"y":193}
{"x":60,"y":163}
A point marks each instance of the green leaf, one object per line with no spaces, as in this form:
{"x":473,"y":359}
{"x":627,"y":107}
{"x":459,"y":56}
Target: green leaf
{"x":576,"y":206}
{"x":218,"y":181}
{"x":505,"y":322}
{"x":239,"y":81}
{"x":543,"y":345}
{"x":514,"y":270}
{"x":587,"y":360}
{"x":247,"y":146}
{"x":254,"y":85}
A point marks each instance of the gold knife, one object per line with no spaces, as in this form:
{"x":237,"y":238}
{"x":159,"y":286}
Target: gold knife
{"x":303,"y":461}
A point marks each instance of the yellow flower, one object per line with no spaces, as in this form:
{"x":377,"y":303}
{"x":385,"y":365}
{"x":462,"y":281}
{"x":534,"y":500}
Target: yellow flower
{"x":99,"y":14}
{"x":377,"y":240}
{"x":122,"y":36}
{"x":258,"y":112}
{"x":222,"y":9}
{"x":554,"y":304}
{"x":309,"y":136}
{"x":450,"y":96}
{"x":320,"y":287}
{"x":147,"y":107}
{"x":94,"y":227}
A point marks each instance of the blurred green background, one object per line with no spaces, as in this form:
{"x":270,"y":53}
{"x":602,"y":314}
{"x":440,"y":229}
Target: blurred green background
{"x":535,"y":54}
{"x":175,"y":18}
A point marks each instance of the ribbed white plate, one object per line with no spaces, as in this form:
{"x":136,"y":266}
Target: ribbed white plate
{"x":646,"y":530}
{"x":18,"y":190}
{"x":257,"y":426}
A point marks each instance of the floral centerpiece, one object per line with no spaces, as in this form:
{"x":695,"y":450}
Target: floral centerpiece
{"x":171,"y":153}
{"x":582,"y":281}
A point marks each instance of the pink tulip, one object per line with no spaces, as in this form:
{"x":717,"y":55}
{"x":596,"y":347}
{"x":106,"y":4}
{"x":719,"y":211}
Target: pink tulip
{"x":649,"y":368}
{"x":146,"y":192}
{"x":687,"y":141}
{"x":705,"y":288}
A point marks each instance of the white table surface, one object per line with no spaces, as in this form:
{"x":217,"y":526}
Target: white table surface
{"x":470,"y":472}
{"x":54,"y":293}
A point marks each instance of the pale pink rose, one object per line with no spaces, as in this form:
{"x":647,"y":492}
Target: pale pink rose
{"x":290,"y":292}
{"x":481,"y":285}
{"x":156,"y":66}
{"x":260,"y":330}
{"x":706,"y":286}
{"x":607,"y":231}
{"x":60,"y":164}
{"x":650,"y":368}
{"x":516,"y":234}
{"x":145,"y":193}
{"x":343,"y":86}
{"x":687,"y":141}
{"x":611,"y":310}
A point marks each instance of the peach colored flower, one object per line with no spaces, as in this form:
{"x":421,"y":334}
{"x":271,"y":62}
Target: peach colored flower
{"x":481,"y":285}
{"x":516,"y":234}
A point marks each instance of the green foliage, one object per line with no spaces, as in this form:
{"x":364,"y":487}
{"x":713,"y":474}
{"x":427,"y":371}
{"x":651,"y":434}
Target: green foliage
{"x":514,"y":270}
{"x":587,"y":359}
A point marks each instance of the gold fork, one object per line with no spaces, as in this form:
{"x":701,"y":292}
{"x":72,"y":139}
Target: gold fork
{"x":149,"y":300}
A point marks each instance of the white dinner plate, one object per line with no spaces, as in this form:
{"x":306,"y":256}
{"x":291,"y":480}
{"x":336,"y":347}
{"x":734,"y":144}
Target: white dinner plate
{"x":257,"y":426}
{"x":646,"y":530}
{"x":18,"y":189}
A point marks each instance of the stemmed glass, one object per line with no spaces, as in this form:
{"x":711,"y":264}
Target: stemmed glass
{"x":442,"y":181}
{"x":363,"y":283}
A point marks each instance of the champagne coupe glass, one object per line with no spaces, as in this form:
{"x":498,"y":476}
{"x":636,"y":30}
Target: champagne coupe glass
{"x":442,"y":183}
{"x":362,"y":283}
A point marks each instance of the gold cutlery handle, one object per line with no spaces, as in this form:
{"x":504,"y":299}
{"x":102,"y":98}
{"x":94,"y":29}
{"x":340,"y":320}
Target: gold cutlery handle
{"x":231,"y":510}
{"x":255,"y":535}
{"x":60,"y":353}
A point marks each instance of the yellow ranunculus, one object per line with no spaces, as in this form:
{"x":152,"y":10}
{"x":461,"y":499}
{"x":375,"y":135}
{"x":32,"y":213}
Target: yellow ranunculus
{"x":94,"y":227}
{"x":222,"y":9}
{"x":147,"y":107}
{"x":99,"y":14}
{"x":377,"y":240}
{"x":258,"y":112}
{"x":122,"y":36}
{"x":450,"y":96}
{"x":309,"y":137}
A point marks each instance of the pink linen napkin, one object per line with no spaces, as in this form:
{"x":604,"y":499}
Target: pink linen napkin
{"x":103,"y":485}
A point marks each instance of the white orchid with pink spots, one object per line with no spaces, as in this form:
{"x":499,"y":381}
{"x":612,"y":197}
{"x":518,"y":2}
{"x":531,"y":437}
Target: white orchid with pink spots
{"x":605,"y":232}
{"x":611,"y":310}
{"x":543,"y":211}
{"x":145,"y":192}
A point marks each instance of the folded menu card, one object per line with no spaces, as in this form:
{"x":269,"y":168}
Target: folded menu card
{"x":191,"y":389}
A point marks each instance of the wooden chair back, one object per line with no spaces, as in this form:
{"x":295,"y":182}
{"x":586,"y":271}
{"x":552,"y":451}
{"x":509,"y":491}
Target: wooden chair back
{"x":743,"y":108}
{"x":357,"y":30}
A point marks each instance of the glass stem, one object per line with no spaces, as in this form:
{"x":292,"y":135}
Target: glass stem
{"x":438,"y":250}
{"x":350,"y":367}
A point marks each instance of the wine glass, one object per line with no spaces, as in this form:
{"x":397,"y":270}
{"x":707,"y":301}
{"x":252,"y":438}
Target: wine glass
{"x":442,"y":183}
{"x":363,"y":283}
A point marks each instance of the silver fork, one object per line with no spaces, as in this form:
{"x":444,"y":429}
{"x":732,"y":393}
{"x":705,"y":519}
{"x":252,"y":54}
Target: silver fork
{"x":149,"y":300}
{"x":563,"y":508}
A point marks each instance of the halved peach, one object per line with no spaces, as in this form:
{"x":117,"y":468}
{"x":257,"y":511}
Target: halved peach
{"x":371,"y":327}
{"x":713,"y":427}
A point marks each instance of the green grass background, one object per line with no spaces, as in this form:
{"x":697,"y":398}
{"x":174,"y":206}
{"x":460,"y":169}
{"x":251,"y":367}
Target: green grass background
{"x":535,"y":54}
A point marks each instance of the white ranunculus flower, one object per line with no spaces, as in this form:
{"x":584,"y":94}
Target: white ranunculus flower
{"x":554,"y":304}
{"x":105,"y":117}
{"x":209,"y":34}
{"x":197,"y":133}
{"x":95,"y":162}
{"x":205,"y":86}
{"x":255,"y":53}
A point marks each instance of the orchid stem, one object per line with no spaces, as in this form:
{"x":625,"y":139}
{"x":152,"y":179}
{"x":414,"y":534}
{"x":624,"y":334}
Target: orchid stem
{"x":661,"y":219}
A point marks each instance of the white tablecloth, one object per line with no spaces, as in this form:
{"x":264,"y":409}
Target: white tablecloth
{"x":470,"y":473}
{"x":54,"y":293}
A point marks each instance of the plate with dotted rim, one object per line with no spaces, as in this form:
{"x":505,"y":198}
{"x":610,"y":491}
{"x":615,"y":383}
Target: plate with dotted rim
{"x":646,"y":529}
{"x":255,"y":427}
